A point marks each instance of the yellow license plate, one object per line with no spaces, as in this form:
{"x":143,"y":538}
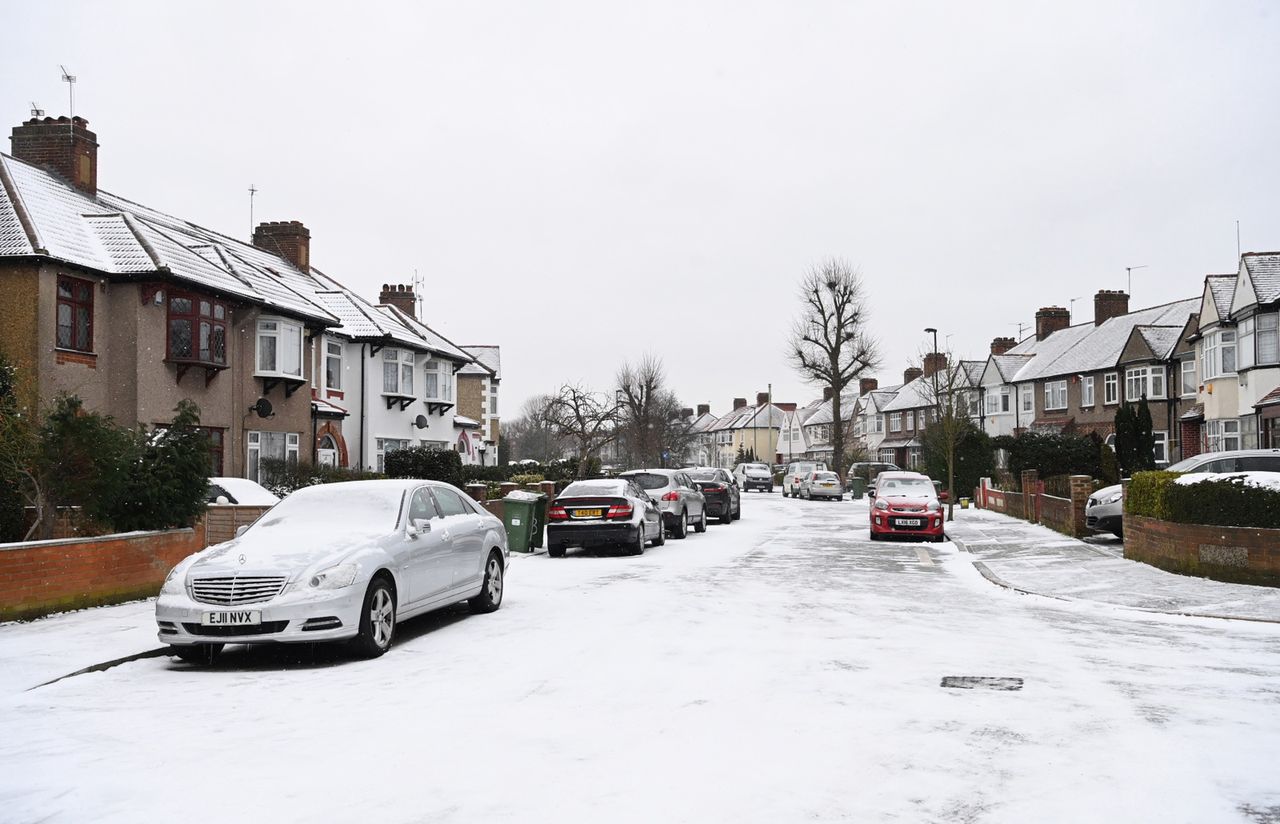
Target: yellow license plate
{"x":588,"y":513}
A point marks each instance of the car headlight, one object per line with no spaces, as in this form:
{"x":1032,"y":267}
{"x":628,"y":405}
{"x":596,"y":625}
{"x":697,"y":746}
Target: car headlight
{"x":1113,"y":497}
{"x":933,"y":506}
{"x":337,"y":577}
{"x":172,"y":583}
{"x":882,"y":504}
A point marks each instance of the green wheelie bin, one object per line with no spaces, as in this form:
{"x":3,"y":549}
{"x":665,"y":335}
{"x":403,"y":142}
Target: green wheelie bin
{"x":524,"y":514}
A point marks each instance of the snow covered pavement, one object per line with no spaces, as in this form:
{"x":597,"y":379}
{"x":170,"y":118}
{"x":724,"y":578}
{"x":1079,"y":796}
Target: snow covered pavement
{"x":779,"y":669}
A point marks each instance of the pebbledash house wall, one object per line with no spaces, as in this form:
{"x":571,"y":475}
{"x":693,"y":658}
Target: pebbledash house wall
{"x":126,"y":375}
{"x":1224,"y":553}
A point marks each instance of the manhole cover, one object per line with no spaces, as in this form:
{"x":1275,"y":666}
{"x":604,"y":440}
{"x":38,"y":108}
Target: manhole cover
{"x":981,"y":682}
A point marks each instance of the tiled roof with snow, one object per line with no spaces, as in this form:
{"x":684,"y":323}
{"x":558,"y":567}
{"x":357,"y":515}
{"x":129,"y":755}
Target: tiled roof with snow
{"x":1264,"y":271}
{"x":1223,"y":289}
{"x":1089,"y":348}
{"x":914,"y":395}
{"x":434,"y":341}
{"x":704,"y":423}
{"x":490,"y":357}
{"x":1161,"y":339}
{"x":1008,"y":365}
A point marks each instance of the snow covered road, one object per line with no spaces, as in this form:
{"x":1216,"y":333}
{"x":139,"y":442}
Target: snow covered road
{"x":779,"y":669}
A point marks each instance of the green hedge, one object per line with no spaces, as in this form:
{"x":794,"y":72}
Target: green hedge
{"x":1224,"y":502}
{"x":426,"y":464}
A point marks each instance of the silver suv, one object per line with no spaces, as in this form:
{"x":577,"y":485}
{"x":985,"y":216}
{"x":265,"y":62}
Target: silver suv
{"x":1105,"y":510}
{"x":682,"y":503}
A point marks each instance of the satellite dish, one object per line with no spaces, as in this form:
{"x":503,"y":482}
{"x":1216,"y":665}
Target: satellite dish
{"x":421,"y":422}
{"x":262,"y":408}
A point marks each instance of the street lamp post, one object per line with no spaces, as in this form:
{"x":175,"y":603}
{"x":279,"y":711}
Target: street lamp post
{"x":937,"y":402}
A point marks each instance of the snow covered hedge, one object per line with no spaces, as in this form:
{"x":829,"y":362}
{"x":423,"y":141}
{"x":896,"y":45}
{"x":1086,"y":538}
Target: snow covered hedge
{"x":1217,"y":500}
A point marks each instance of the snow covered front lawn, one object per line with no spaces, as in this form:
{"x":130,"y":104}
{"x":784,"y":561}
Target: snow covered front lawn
{"x":780,"y":669}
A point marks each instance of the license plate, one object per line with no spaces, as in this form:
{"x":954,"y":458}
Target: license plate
{"x":908,"y":522}
{"x":588,"y":513}
{"x":242,"y":618}
{"x":827,"y":485}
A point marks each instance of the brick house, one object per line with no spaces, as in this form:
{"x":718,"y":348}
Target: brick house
{"x":478,"y":383}
{"x":914,"y":405}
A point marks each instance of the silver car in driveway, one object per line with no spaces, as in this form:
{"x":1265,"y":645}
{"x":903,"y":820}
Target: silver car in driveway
{"x":821,"y":484}
{"x":336,"y":562}
{"x":682,"y":503}
{"x":1104,"y":511}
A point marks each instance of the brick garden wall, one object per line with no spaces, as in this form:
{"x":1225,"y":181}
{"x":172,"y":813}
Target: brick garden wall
{"x":1224,"y":553}
{"x":1065,"y":515}
{"x":51,"y":576}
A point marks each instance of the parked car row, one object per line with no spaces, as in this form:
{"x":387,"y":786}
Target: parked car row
{"x":640,"y":508}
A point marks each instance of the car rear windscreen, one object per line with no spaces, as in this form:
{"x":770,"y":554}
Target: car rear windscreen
{"x":824,"y":476}
{"x":649,"y":480}
{"x":705,"y":475}
{"x":588,"y":489}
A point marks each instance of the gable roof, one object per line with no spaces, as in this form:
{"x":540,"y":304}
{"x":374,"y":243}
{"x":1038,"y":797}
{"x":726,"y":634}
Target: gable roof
{"x":1223,"y":288}
{"x":488,"y":360}
{"x":1264,"y":271}
{"x":1008,"y":365}
{"x":1160,"y":339}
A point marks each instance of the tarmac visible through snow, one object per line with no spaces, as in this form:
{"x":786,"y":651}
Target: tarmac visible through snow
{"x":782,"y":668}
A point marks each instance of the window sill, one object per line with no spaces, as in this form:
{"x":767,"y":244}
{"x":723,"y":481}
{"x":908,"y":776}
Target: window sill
{"x":278,"y":376}
{"x":196,"y":362}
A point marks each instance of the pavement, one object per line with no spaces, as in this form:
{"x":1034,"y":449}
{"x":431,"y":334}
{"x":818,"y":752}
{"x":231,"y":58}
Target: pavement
{"x":1034,"y":559}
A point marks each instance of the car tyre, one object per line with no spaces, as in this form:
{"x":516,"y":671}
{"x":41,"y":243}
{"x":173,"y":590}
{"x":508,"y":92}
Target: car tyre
{"x":726,"y":517}
{"x":377,"y":619}
{"x":701,"y":526}
{"x":875,"y":536}
{"x":637,"y":548}
{"x":682,"y":527}
{"x":737,"y":513}
{"x":555,"y":551}
{"x":490,"y":597}
{"x":202,"y":654}
{"x":661,"y":538}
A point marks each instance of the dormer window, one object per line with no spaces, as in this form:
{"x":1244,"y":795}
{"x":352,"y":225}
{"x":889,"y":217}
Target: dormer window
{"x":279,"y":349}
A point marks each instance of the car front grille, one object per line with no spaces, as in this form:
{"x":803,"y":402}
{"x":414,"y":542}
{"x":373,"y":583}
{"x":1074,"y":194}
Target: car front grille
{"x":236,"y":590}
{"x":265,"y":628}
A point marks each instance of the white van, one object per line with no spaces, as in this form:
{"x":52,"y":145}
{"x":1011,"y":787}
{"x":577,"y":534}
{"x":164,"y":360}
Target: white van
{"x":795,"y":474}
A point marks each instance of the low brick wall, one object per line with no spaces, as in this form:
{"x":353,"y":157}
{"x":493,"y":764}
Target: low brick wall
{"x":1057,"y":514}
{"x":221,"y":521}
{"x":1065,"y":515}
{"x":1224,"y":553}
{"x":41,"y":577}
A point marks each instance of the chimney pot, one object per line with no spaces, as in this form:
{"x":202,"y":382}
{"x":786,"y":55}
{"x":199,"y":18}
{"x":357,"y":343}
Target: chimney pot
{"x":934,"y":362}
{"x":762,"y":398}
{"x":1051,"y":319}
{"x":739,"y":403}
{"x":686,"y":413}
{"x":866,"y":385}
{"x":1108,"y":304}
{"x":911,"y":373}
{"x":1001,"y":345}
{"x":704,"y":409}
{"x":401,"y":297}
{"x":826,"y":393}
{"x":61,"y":145}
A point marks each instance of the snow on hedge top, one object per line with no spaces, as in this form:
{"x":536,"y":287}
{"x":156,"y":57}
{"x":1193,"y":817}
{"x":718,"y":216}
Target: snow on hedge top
{"x":1270,"y":480}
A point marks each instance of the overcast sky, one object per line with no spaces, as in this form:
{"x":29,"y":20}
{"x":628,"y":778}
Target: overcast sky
{"x":584,"y":182}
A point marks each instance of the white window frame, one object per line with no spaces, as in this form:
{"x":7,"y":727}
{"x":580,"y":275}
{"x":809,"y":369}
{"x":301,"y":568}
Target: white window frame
{"x":282,"y":331}
{"x":380,"y":450}
{"x":1268,"y":334}
{"x":1189,"y":383}
{"x":1214,"y":358}
{"x":1222,"y":434}
{"x":1111,"y":389}
{"x":991,"y":403}
{"x":895,"y":421}
{"x":1088,"y":397}
{"x":1161,"y":447}
{"x":402,"y":363}
{"x":442,"y":371}
{"x":330,"y":355}
{"x":1028,"y":394}
{"x":253,"y":450}
{"x":1051,"y":391}
{"x":1144,"y":382}
{"x":1244,"y":344}
{"x":879,"y":423}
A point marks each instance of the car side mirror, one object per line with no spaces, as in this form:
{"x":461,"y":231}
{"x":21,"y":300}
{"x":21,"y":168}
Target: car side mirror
{"x":242,"y":529}
{"x":416,"y":527}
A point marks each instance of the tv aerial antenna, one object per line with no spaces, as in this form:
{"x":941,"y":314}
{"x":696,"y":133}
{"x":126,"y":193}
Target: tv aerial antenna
{"x":36,"y":111}
{"x":70,"y":80}
{"x":1128,"y":271}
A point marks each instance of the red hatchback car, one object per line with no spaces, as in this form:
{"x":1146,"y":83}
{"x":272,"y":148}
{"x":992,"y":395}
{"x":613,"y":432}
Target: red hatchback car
{"x":906,"y":503}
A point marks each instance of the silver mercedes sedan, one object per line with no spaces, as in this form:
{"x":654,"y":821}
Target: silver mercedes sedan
{"x":336,"y":562}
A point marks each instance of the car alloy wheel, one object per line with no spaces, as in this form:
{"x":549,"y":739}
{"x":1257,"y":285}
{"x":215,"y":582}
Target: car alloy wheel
{"x":377,"y":620}
{"x":638,"y":547}
{"x":702,"y":522}
{"x":681,"y":529}
{"x":490,"y":595}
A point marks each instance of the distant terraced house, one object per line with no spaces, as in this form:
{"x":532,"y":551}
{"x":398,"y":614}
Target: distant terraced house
{"x":134,"y":310}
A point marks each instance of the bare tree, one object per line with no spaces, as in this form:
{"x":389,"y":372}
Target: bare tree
{"x":586,"y":420}
{"x":949,"y":394}
{"x":830,"y":345}
{"x":530,"y":435}
{"x":650,"y":424}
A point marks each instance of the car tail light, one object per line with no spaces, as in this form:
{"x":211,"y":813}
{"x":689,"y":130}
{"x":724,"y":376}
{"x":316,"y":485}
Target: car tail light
{"x":620,"y":511}
{"x":713,"y":488}
{"x":557,"y":513}
{"x":671,"y":496}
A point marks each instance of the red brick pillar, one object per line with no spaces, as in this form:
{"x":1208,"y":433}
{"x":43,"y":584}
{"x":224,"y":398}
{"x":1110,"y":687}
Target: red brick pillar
{"x":478,"y":491}
{"x":548,"y":489}
{"x":1031,"y":495}
{"x":1081,"y":489}
{"x":506,"y":487}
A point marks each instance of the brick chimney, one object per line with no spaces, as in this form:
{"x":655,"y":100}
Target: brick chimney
{"x":739,"y":403}
{"x":866,"y":385}
{"x":63,"y":145}
{"x":1051,"y":319}
{"x":1001,"y":345}
{"x":911,"y":373}
{"x":400,"y":296}
{"x":786,"y":407}
{"x":934,"y":362}
{"x":826,"y":393}
{"x":287,"y":238}
{"x":762,"y":398}
{"x":1109,"y":303}
{"x":704,"y":409}
{"x":686,"y":413}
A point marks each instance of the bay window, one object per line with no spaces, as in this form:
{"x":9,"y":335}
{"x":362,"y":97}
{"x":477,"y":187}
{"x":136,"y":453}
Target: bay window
{"x":333,"y":365}
{"x":1218,"y":354}
{"x":279,"y":348}
{"x":1268,"y":339}
{"x":1086,"y":391}
{"x":1055,"y":395}
{"x":197,"y":329}
{"x":1143,"y":382}
{"x":1111,"y":388}
{"x":1244,"y":344}
{"x":397,"y":372}
{"x":280,"y":446}
{"x":439,"y":380}
{"x":75,"y":314}
{"x":1222,"y":435}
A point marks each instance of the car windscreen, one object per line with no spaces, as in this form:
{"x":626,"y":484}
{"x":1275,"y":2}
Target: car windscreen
{"x":905,"y":488}
{"x":649,"y":480}
{"x":703,"y":475}
{"x":342,"y":507}
{"x":758,"y":467}
{"x":590,"y":489}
